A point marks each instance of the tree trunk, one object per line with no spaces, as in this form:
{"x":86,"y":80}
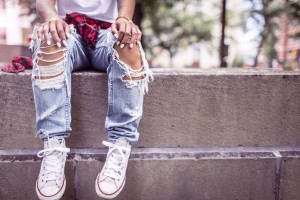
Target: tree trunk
{"x":264,"y":32}
{"x":223,"y":63}
{"x":263,"y":37}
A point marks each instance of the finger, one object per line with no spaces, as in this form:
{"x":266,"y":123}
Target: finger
{"x":114,"y":30}
{"x":40,"y":33}
{"x":122,"y":28}
{"x":53,"y":31}
{"x":61,"y":31}
{"x":127,"y":36}
{"x":46,"y":33}
{"x":67,"y":30}
{"x":135,"y":35}
{"x":139,"y":38}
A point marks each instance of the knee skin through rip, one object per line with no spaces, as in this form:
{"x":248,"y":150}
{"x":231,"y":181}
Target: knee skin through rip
{"x":132,"y":58}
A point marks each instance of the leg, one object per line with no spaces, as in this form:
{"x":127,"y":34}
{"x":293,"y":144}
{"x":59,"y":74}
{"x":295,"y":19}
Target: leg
{"x":129,"y":75}
{"x":51,"y":81}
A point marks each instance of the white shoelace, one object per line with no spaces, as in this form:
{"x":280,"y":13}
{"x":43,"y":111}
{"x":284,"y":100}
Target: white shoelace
{"x":53,"y":162}
{"x":116,"y":160}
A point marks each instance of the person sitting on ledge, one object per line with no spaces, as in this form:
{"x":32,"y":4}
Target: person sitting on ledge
{"x":77,"y":35}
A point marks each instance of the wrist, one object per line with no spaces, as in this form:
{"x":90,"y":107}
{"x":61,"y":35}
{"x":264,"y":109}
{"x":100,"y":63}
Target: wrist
{"x":51,"y":18}
{"x":123,"y":17}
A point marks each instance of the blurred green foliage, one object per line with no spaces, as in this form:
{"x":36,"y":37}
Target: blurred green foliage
{"x":170,"y":25}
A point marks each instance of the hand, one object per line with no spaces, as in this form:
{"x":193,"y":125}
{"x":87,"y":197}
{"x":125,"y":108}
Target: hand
{"x":59,"y":30}
{"x":126,"y":32}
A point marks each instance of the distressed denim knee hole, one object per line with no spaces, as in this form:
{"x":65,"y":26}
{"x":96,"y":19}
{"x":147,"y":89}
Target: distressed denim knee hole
{"x":143,"y":75}
{"x":49,"y":66}
{"x":49,"y":71}
{"x":135,"y":77}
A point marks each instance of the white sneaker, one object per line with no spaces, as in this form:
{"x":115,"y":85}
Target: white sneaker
{"x":51,"y":183}
{"x":111,"y":180}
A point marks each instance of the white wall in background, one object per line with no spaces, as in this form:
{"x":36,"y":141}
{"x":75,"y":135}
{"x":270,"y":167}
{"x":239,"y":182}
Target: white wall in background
{"x":13,"y":25}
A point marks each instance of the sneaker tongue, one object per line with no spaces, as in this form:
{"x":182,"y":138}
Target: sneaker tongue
{"x":53,"y":142}
{"x":122,"y":142}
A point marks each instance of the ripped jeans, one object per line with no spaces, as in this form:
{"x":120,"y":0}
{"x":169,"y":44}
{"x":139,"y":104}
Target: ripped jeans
{"x":51,"y":82}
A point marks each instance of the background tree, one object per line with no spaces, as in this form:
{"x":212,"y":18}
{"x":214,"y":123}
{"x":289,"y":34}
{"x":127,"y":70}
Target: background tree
{"x":28,"y":9}
{"x":171,"y":25}
{"x":293,"y":11}
{"x":265,"y":13}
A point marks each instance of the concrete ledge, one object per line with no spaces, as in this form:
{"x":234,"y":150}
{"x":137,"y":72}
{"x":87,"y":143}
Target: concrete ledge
{"x":20,"y":155}
{"x":187,"y":179}
{"x":160,"y":180}
{"x":166,"y":173}
{"x":184,"y":108}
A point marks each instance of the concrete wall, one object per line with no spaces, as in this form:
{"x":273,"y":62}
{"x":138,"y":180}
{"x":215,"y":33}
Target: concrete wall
{"x":167,"y":174}
{"x":204,"y":135}
{"x":186,"y":109}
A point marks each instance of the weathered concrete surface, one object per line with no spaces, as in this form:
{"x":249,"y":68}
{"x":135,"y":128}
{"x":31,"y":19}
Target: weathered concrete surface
{"x":188,"y":109}
{"x":187,"y":179}
{"x":166,"y":173}
{"x":159,"y":180}
{"x":290,"y":178}
{"x":17,"y":180}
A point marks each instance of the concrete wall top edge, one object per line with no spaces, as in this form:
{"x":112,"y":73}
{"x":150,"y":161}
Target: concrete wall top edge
{"x":101,"y":155}
{"x":165,"y":153}
{"x":187,"y":71}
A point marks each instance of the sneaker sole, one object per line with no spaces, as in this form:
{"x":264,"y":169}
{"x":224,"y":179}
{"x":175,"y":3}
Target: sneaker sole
{"x":108,"y":196}
{"x":56,"y":196}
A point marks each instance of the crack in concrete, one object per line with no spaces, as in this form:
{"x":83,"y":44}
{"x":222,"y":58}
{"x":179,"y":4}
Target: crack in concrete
{"x":76,"y":180}
{"x":277,"y":174}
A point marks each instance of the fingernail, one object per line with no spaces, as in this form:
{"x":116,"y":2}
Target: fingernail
{"x":116,"y":35}
{"x":122,"y":46}
{"x":40,"y":39}
{"x":68,"y":35}
{"x":65,"y":42}
{"x":58,"y":44}
{"x":48,"y":42}
{"x":118,"y":43}
{"x":131,"y":45}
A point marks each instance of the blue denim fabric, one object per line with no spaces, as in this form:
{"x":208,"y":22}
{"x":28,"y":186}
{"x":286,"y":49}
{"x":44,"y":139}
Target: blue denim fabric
{"x":125,"y":97}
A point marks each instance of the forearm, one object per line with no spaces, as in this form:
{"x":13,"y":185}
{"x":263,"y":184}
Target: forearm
{"x":46,"y":9}
{"x":126,"y":8}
